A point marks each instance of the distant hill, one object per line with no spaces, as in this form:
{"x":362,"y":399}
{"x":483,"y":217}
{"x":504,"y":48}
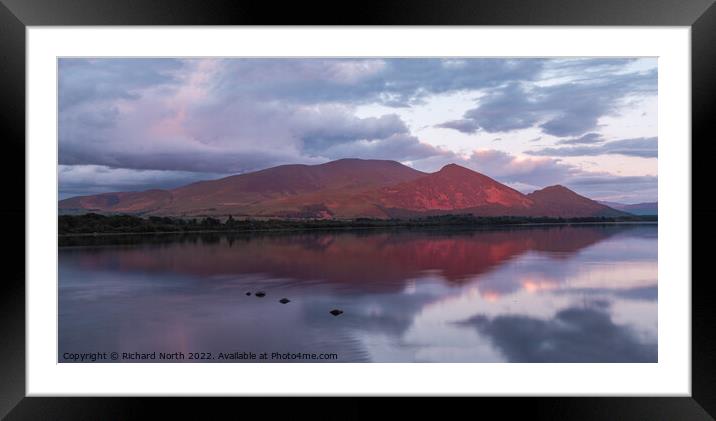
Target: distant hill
{"x":345,"y":189}
{"x":646,"y":208}
{"x":561,"y":201}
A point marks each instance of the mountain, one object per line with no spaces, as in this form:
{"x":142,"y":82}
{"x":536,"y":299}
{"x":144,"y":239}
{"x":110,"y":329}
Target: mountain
{"x":267,"y":192}
{"x":346,"y":188}
{"x":126,"y":202}
{"x":561,"y":201}
{"x":453,"y":189}
{"x":646,"y":208}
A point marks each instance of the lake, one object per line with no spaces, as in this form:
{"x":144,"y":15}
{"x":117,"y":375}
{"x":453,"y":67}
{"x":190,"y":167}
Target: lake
{"x":561,"y":293}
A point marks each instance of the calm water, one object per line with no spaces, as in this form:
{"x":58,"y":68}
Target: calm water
{"x":542,"y":294}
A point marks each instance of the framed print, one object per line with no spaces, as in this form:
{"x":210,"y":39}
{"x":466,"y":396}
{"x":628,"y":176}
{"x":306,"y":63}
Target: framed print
{"x":482,"y":200}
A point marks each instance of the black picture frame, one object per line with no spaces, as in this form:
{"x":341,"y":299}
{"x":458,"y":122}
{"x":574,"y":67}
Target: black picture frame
{"x":16,"y":15}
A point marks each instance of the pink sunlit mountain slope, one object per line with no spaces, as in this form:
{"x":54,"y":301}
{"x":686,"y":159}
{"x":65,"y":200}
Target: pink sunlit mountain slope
{"x":345,"y":189}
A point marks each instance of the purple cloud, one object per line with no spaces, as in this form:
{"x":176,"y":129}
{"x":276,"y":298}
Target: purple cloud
{"x":638,"y":147}
{"x":588,"y":138}
{"x":131,"y":124}
{"x":565,"y":109}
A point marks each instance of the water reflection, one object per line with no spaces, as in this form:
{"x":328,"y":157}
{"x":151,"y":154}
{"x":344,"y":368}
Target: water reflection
{"x":540,"y":294}
{"x":575,"y":334}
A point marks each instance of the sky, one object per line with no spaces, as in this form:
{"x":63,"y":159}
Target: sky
{"x":130,"y":124}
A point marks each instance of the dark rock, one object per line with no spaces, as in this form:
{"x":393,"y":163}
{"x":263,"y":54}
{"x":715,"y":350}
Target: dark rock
{"x":336,"y":312}
{"x":260,"y":294}
{"x":248,"y":293}
{"x":284,"y":300}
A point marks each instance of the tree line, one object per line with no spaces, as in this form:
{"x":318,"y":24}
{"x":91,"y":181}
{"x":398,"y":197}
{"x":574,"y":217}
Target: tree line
{"x":93,"y":223}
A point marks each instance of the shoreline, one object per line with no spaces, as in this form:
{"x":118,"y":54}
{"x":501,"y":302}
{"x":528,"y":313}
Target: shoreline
{"x":354,"y":228}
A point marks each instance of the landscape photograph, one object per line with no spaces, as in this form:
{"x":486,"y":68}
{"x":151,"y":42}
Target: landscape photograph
{"x":357,"y":209}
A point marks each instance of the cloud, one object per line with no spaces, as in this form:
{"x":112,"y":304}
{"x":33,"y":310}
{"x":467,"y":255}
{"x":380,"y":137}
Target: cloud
{"x":463,"y":125}
{"x":610,"y":187}
{"x":513,"y":169}
{"x":231,"y":137}
{"x":584,"y":139}
{"x":235,"y":115}
{"x":592,"y":179}
{"x":504,"y":109}
{"x":126,"y":121}
{"x":238,"y":115}
{"x":586,"y":68}
{"x":105,"y":80}
{"x":644,"y":147}
{"x":92,"y":179}
{"x":398,"y":147}
{"x":397,"y":82}
{"x":323,"y":129}
{"x":564,"y":109}
{"x":575,"y":335}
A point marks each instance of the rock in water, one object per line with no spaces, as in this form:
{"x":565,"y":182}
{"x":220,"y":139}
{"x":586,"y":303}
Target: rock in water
{"x":248,"y":293}
{"x":284,"y":300}
{"x":260,"y":294}
{"x":336,"y":312}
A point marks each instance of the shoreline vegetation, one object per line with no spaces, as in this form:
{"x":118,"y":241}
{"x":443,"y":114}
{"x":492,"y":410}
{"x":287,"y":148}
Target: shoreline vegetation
{"x":92,"y":224}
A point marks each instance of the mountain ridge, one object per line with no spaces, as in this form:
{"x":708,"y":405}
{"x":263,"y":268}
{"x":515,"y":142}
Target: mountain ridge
{"x":345,"y":189}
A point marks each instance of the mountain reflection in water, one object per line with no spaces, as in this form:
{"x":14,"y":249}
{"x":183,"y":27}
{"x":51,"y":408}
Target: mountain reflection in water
{"x":528,"y":294}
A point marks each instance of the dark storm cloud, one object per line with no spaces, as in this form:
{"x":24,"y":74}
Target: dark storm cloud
{"x":574,"y":335}
{"x":563,"y":109}
{"x":644,"y":147}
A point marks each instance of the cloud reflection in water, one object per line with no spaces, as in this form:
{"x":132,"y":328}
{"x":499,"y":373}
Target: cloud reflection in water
{"x":541,"y":294}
